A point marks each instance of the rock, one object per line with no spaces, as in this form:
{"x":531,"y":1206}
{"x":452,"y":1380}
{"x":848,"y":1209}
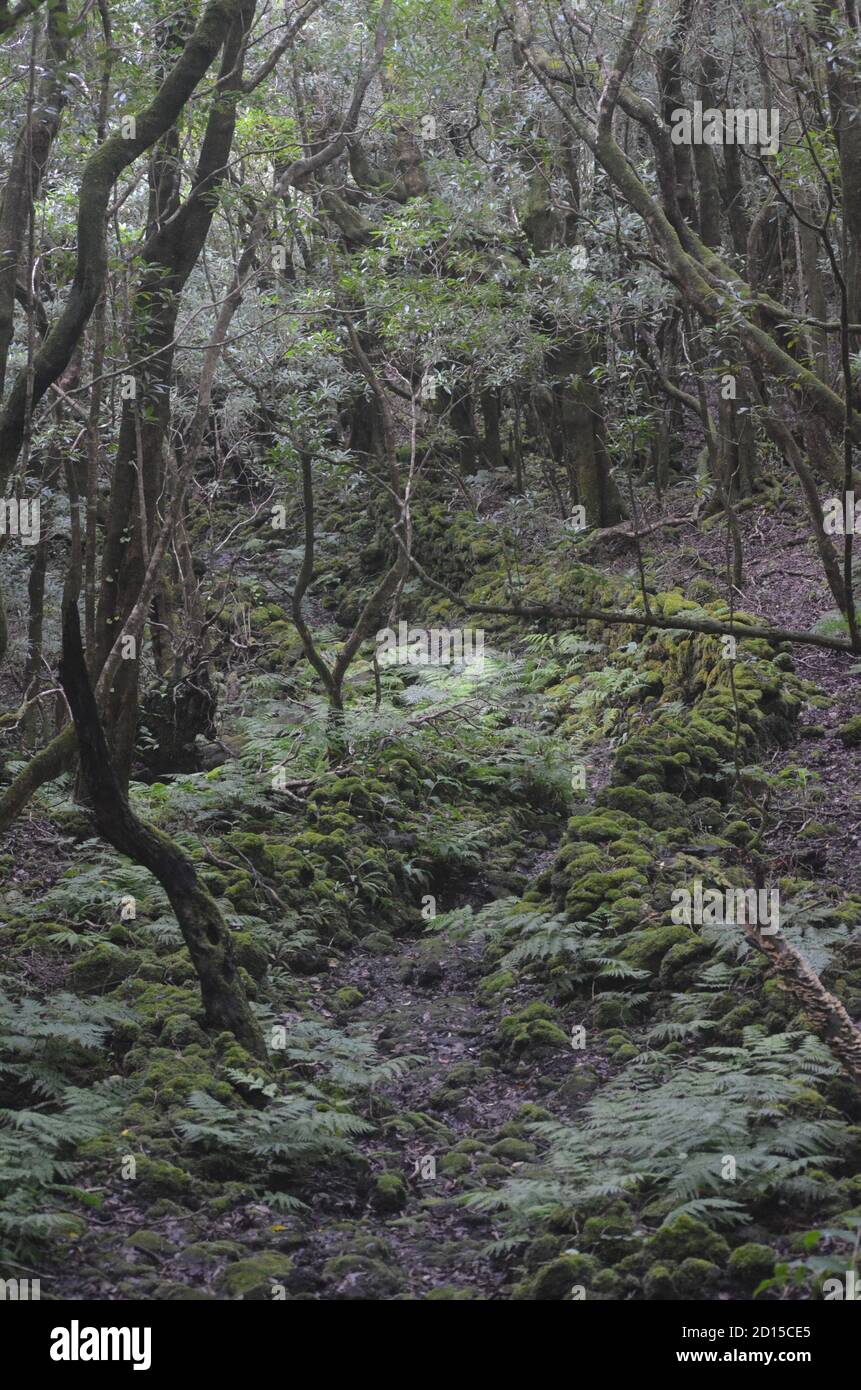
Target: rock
{"x":532,"y":1029}
{"x":102,"y":968}
{"x":454,"y":1164}
{"x":348,"y":998}
{"x":208,"y":1252}
{"x":390,"y":1193}
{"x":379,"y":943}
{"x":362,"y":1277}
{"x":688,"y":1238}
{"x":658,"y":1286}
{"x":430,"y":975}
{"x":150,"y":1243}
{"x":850,"y":732}
{"x":697,"y":1279}
{"x":515,"y":1150}
{"x":750,"y":1264}
{"x":554,"y":1281}
{"x":253,"y":1279}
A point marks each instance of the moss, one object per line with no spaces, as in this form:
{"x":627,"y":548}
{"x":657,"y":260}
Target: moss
{"x":528,"y":1114}
{"x":658,"y":1285}
{"x":379,"y":943}
{"x":102,"y":968}
{"x":554,"y":1281}
{"x":697,"y":1279}
{"x":180,"y":1030}
{"x":595,"y":890}
{"x":646,"y":949}
{"x":251,"y":1279}
{"x":158,"y":1178}
{"x":579,"y":1085}
{"x":497,"y":983}
{"x":608,"y":1012}
{"x":169,"y":1292}
{"x":468,"y":1146}
{"x":254,"y":848}
{"x":687,"y":1238}
{"x":514,"y":1150}
{"x":850,"y":732}
{"x":599,"y":827}
{"x":492,"y":1172}
{"x":249,"y":955}
{"x":676,"y":970}
{"x":750,"y":1264}
{"x":454,"y":1164}
{"x":348,"y":998}
{"x":606,"y":1285}
{"x":739,"y":1018}
{"x":208,"y":1252}
{"x":447,"y":1097}
{"x":362,"y":1277}
{"x":659,"y":810}
{"x":390,"y":1192}
{"x":149,"y":1243}
{"x":169,"y":1078}
{"x":610,"y":1236}
{"x":532,"y":1029}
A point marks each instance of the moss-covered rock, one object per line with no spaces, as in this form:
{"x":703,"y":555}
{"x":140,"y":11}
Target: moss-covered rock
{"x":697,"y":1279}
{"x":348,"y":998}
{"x":555,"y":1281}
{"x":454,"y":1164}
{"x":751,"y":1263}
{"x":252,"y":1279}
{"x":646,"y":949}
{"x":513,"y":1150}
{"x":850,"y":732}
{"x":149,"y":1243}
{"x":687,"y":1238}
{"x":361,"y":1277}
{"x":532,"y":1029}
{"x":611,"y":1236}
{"x":658,"y":1284}
{"x":390,"y":1192}
{"x":102,"y":968}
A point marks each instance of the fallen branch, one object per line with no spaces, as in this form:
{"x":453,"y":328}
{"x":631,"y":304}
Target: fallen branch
{"x":827,"y":1014}
{"x":620,"y":617}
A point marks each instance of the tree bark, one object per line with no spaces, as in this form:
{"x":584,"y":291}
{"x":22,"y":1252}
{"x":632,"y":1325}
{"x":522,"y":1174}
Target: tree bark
{"x":100,"y":174}
{"x":204,"y":930}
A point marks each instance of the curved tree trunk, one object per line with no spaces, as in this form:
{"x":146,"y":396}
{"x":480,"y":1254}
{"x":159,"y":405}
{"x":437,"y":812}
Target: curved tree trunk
{"x":204,"y":930}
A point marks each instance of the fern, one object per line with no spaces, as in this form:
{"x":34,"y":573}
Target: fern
{"x":291,"y":1128}
{"x":662,"y":1128}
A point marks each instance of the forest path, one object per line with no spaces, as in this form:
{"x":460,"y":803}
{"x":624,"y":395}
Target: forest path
{"x":423,"y":1000}
{"x":450,"y":1123}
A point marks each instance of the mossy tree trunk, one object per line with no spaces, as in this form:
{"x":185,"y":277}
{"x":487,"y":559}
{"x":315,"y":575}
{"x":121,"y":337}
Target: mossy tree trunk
{"x":100,"y":174}
{"x":177,"y":236}
{"x":204,"y":930}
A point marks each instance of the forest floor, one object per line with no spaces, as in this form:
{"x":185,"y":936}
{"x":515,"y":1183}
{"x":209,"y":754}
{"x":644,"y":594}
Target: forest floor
{"x":392,"y":1223}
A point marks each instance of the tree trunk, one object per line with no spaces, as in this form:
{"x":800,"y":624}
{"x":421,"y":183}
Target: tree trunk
{"x":204,"y":930}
